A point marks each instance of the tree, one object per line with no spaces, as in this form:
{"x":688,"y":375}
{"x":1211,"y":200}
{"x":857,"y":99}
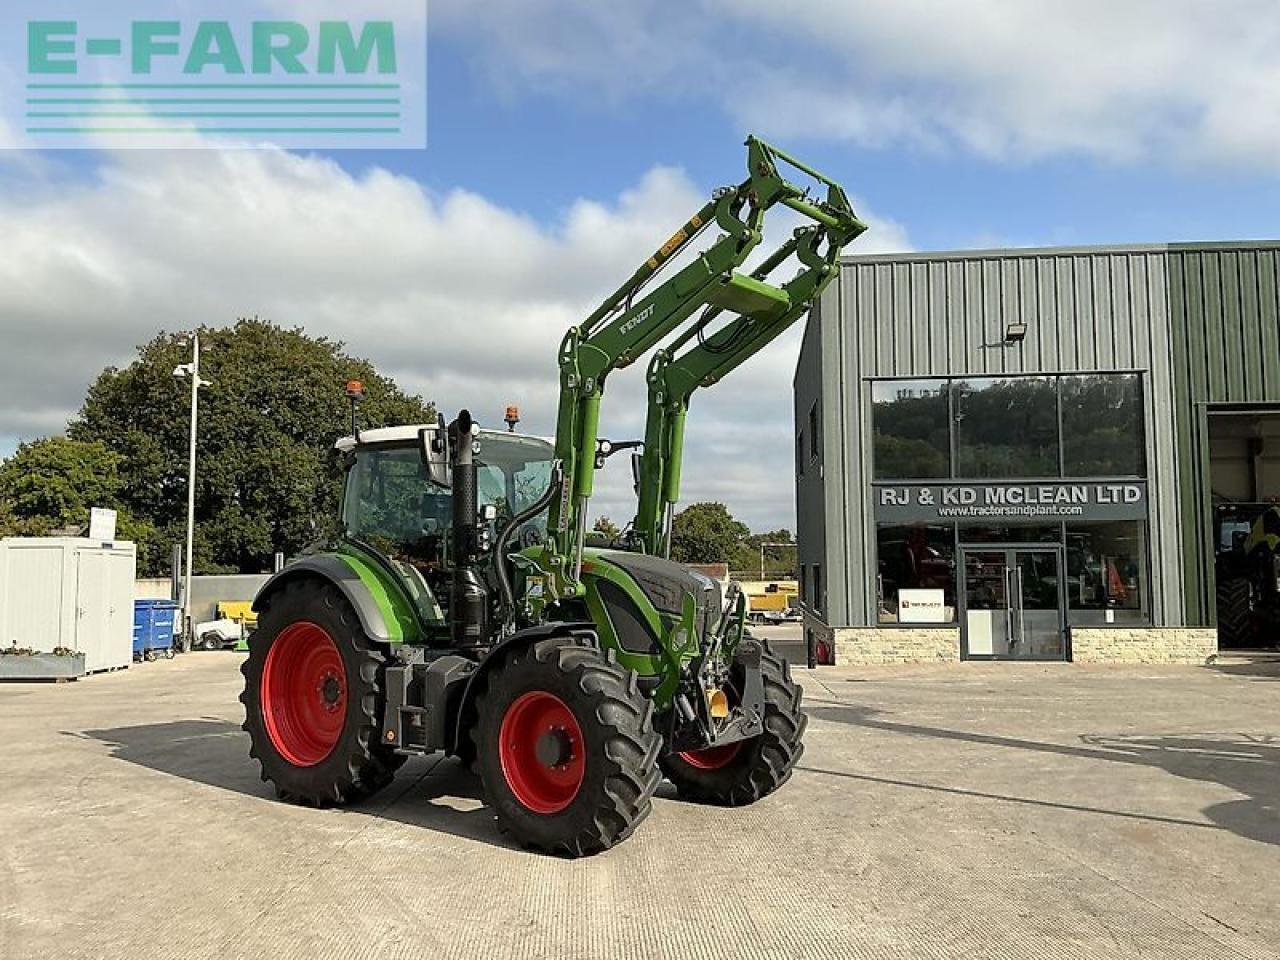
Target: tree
{"x":706,"y":533}
{"x":779,"y":561}
{"x":608,"y":530}
{"x":51,"y":484}
{"x":267,"y":425}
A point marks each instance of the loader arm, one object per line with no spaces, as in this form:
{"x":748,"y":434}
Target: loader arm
{"x":633,"y":320}
{"x":673,"y":377}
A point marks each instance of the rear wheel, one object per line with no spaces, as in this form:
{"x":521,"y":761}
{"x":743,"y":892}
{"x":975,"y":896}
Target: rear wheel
{"x":1236,"y":624}
{"x":565,"y":747}
{"x":739,"y":773}
{"x":313,"y":695}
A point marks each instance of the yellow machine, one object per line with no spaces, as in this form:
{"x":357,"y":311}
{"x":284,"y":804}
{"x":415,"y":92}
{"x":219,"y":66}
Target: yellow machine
{"x":765,"y":597}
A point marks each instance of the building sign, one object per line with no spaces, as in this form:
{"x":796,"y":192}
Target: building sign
{"x":102,"y":524}
{"x":922,"y":606}
{"x":1058,"y":500}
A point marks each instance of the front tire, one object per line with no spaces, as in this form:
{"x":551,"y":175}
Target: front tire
{"x":313,"y":697}
{"x":740,"y":773}
{"x":565,"y":748}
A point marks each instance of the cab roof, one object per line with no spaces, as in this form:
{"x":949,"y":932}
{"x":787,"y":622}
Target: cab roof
{"x":409,"y":434}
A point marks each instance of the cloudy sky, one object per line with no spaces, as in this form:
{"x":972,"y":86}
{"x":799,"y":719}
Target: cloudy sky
{"x":568,"y":137}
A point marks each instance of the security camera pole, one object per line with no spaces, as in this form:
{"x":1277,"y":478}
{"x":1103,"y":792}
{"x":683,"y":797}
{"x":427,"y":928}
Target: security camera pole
{"x":191,"y":370}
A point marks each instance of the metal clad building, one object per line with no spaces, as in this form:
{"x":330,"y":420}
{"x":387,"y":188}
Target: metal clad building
{"x":1191,"y":329}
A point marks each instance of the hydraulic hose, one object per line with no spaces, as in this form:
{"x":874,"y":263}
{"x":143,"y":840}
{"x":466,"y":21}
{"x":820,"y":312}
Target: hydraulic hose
{"x":500,"y":547}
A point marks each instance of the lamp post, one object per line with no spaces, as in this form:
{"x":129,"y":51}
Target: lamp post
{"x":192,"y":371}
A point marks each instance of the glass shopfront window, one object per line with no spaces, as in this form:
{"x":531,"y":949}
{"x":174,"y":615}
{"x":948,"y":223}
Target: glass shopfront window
{"x":1028,"y":533}
{"x":917,"y":574}
{"x":1006,"y":427}
{"x":1000,"y":428}
{"x":1102,"y":432}
{"x":911,"y":422}
{"x":1107,"y":573}
{"x":1014,"y":506}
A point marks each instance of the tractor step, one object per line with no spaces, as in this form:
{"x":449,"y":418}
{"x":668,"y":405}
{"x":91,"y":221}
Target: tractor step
{"x":420,"y":698}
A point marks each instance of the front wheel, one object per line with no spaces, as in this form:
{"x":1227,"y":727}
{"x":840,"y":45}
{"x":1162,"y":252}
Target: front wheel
{"x":565,"y":747}
{"x":740,"y":773}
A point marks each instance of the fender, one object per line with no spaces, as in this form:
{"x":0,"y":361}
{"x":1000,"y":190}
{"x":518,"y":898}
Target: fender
{"x":331,"y":567}
{"x":584,"y":630}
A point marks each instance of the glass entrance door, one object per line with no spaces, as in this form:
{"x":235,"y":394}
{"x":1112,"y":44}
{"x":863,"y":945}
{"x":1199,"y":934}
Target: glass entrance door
{"x":1013,"y":603}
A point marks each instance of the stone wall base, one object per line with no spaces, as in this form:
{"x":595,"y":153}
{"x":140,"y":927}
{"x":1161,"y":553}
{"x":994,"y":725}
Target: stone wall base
{"x":1144,"y":645}
{"x":868,"y":645}
{"x":857,"y":646}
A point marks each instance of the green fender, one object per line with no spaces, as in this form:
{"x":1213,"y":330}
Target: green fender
{"x":385,"y":614}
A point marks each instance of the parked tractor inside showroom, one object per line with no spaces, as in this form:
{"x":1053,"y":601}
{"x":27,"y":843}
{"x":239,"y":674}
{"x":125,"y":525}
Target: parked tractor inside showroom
{"x":460,"y":609}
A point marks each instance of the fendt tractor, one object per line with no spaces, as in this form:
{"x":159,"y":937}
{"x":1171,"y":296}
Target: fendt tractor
{"x":462,"y":610}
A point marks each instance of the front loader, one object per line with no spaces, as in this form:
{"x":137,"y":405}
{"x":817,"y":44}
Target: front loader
{"x":461,"y":610}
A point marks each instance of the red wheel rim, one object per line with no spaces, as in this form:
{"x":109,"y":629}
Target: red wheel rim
{"x":304,"y":694}
{"x":712,"y":758}
{"x":541,"y":751}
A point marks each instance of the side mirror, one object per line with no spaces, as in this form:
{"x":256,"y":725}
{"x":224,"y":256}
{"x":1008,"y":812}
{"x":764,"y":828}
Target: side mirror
{"x":435,"y":456}
{"x":637,"y":459}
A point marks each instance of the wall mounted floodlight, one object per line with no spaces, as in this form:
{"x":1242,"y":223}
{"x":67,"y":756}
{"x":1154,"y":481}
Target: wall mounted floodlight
{"x":1015,"y":332}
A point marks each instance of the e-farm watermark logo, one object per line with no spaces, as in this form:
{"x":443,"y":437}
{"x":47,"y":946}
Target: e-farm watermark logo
{"x":250,"y":73}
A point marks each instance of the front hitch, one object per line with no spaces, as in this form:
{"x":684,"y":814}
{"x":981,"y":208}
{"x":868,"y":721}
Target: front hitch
{"x":698,"y":730}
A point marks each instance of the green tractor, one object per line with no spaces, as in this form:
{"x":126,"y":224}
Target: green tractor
{"x":461,"y":609}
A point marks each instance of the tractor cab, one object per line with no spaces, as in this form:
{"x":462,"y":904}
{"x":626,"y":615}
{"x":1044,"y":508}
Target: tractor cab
{"x":398,"y":502}
{"x":394,"y":496}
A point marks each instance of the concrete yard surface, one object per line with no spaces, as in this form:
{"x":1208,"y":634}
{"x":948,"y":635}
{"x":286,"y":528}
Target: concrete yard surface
{"x":962,"y":810}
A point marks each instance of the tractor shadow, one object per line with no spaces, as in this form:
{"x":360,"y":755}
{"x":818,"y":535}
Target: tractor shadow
{"x":433,"y":793}
{"x":1246,"y":764}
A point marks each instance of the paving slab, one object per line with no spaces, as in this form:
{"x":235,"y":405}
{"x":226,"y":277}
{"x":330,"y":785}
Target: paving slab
{"x":959,"y":810}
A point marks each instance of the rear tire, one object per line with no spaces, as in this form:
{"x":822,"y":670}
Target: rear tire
{"x":741,"y":773}
{"x":313,"y":698}
{"x":565,"y":748}
{"x":1236,"y":624}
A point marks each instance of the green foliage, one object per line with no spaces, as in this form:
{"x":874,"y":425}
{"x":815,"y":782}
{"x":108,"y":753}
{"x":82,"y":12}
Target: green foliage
{"x":51,"y":484}
{"x":607,"y":529}
{"x":779,"y":561}
{"x":268,"y":420}
{"x":706,"y":533}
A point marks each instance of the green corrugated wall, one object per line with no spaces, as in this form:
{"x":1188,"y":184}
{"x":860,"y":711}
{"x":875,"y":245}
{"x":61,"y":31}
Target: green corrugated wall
{"x":1224,"y":317}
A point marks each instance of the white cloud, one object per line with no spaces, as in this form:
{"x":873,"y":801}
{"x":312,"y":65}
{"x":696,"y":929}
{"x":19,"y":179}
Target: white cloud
{"x":459,"y":299}
{"x":1139,"y":81}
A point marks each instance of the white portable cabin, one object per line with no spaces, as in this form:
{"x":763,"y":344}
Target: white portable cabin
{"x":69,"y":592}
